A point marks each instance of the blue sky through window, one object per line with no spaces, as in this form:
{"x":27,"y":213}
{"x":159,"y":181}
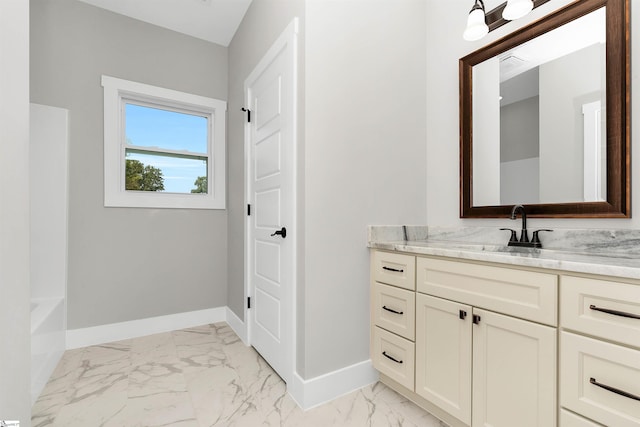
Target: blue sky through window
{"x":148,"y":127}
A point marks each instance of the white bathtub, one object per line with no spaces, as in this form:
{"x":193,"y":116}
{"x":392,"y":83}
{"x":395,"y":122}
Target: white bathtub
{"x":47,"y":340}
{"x":48,"y":161}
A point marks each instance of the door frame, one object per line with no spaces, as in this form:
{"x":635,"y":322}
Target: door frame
{"x":288,"y":39}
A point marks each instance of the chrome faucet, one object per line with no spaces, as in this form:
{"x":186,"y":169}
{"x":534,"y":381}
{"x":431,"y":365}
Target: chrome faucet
{"x":524,"y":234}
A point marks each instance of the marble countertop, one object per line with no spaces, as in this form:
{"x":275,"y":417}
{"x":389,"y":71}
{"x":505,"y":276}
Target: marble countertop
{"x":613,"y":263}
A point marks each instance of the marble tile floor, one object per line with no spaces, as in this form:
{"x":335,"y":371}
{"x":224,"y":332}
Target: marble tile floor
{"x":202,"y":376}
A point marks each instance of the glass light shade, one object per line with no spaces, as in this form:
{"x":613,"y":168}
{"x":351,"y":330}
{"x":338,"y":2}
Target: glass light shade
{"x":517,"y":9}
{"x":476,"y":26}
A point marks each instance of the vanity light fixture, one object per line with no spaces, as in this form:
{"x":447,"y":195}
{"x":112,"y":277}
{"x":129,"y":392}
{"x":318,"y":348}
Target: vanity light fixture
{"x":480,"y":22}
{"x":516,"y":9}
{"x":476,"y":23}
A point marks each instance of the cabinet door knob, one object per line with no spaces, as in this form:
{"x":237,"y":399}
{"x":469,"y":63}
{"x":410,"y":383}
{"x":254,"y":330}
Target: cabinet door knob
{"x":476,"y":319}
{"x":462,"y":314}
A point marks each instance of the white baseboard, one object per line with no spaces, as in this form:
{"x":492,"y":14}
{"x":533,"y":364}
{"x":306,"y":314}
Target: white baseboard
{"x":316,"y":391}
{"x":238,"y":326}
{"x":102,"y":334}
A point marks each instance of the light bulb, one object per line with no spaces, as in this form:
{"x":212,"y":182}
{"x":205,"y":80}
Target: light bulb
{"x":476,"y":26}
{"x":517,"y":9}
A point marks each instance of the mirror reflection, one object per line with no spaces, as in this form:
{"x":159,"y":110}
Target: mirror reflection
{"x":539,"y":131}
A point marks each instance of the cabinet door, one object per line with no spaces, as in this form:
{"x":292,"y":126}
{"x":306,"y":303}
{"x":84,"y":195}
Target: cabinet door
{"x":514,"y":372}
{"x":443,"y":354}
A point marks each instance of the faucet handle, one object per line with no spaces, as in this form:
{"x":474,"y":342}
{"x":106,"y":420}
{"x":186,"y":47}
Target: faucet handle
{"x":514,"y":237}
{"x":535,"y":238}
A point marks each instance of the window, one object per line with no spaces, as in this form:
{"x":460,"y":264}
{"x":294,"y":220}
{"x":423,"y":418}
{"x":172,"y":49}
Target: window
{"x":162,"y":148}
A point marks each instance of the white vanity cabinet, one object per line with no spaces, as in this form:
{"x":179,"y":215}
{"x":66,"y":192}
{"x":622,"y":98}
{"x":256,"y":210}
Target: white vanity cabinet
{"x":482,"y":367}
{"x":393,"y":316}
{"x":484,"y":339}
{"x":495,"y":340}
{"x":600,"y":352}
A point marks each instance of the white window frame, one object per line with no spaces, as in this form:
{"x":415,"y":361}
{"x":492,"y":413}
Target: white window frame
{"x":116,"y":93}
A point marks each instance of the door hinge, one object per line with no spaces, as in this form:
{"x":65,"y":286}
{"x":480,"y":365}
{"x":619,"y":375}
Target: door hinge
{"x":248,"y":114}
{"x":248,"y":302}
{"x":248,"y":210}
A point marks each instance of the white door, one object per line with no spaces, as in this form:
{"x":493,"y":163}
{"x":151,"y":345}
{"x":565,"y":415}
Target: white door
{"x":270,"y":143}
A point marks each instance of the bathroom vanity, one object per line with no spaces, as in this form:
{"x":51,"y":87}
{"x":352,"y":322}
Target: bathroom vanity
{"x":481,"y":336}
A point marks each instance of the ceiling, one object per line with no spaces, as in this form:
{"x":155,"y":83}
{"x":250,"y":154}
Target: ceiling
{"x":212,"y":20}
{"x":576,"y":35}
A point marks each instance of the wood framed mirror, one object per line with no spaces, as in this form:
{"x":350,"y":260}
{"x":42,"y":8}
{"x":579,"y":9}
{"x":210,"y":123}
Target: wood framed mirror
{"x":532,"y":87}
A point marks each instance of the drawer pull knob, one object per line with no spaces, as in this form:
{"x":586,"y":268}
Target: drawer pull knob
{"x":614,"y":390}
{"x":384,"y":307}
{"x":395,"y":270}
{"x":384,"y":353}
{"x":614,"y":312}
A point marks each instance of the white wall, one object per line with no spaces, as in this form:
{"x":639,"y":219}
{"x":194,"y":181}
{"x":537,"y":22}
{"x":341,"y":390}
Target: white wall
{"x":445,"y":46}
{"x":15,"y":352}
{"x":364,"y":161}
{"x":49,"y":190}
{"x":486,"y":133}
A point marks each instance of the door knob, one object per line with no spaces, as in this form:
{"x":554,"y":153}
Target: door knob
{"x":282,"y":232}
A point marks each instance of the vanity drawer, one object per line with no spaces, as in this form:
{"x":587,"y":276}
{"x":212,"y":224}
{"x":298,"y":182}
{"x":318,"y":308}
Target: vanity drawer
{"x":569,"y":419}
{"x":610,"y":310}
{"x":394,"y":269}
{"x":394,"y":309}
{"x":393,"y":356}
{"x":525,"y":294}
{"x":587,"y":367}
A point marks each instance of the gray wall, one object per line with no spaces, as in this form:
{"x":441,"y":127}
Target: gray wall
{"x":445,"y":47}
{"x":126,"y":264}
{"x":565,"y":85}
{"x":361,"y":156}
{"x":520,"y":130}
{"x":365,"y":159}
{"x":519,"y":152}
{"x":15,"y":355}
